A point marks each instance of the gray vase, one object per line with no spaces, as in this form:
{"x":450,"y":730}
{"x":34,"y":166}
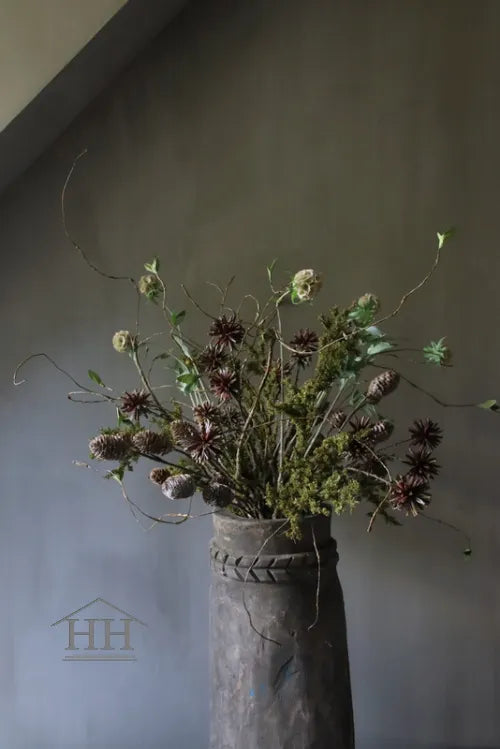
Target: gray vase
{"x":279,"y":663}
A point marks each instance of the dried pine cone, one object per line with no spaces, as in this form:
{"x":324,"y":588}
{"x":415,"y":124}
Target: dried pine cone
{"x":426,"y":433}
{"x":228,"y":331}
{"x":410,"y":493}
{"x":337,"y":419}
{"x":159,"y":475}
{"x":110,"y":446}
{"x":181,"y":486}
{"x":422,"y":463}
{"x":381,"y":430}
{"x":182,"y":433}
{"x":360,"y":424}
{"x":218,"y":495}
{"x":152,"y":443}
{"x":382,"y":385}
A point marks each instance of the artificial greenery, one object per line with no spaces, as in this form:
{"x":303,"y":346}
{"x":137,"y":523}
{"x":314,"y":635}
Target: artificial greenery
{"x":262,"y":425}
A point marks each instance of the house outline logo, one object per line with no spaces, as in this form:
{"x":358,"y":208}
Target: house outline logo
{"x":92,"y":652}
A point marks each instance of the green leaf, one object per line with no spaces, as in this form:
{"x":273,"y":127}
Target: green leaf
{"x":177,"y":317}
{"x":94,"y":376}
{"x":378,"y":348}
{"x":123,"y":419}
{"x":374,"y":332}
{"x":437,"y":353}
{"x":116,"y":474}
{"x":467,"y":552}
{"x":295,"y":297}
{"x":445,"y":236}
{"x":182,"y":346}
{"x":154,"y":266}
{"x":188,"y":382}
{"x":490,"y":405}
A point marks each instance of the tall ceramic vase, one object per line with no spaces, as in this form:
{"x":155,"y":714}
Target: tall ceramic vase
{"x":279,"y":662}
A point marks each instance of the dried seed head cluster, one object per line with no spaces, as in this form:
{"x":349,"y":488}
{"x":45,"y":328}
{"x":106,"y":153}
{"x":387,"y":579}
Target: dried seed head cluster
{"x":273,"y":424}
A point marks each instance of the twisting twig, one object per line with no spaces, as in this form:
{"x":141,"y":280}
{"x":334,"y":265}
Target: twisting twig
{"x":271,"y":535}
{"x":318,"y":584}
{"x":83,"y":388}
{"x":252,"y":411}
{"x":376,"y":511}
{"x":75,"y":244}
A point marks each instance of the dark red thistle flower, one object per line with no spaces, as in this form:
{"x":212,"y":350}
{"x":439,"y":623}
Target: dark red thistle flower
{"x":211,"y":358}
{"x":205,"y":412}
{"x":203,"y":442}
{"x":422,"y":463}
{"x":228,"y":331}
{"x":305,"y":342}
{"x":426,"y":433}
{"x":410,"y":493}
{"x":224,"y":383}
{"x":137,"y":403}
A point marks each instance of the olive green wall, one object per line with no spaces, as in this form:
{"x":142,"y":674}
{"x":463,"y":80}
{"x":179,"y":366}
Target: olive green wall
{"x":334,"y":135}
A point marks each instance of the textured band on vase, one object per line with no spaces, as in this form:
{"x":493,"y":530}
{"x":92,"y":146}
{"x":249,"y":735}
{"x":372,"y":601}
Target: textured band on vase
{"x":272,"y":568}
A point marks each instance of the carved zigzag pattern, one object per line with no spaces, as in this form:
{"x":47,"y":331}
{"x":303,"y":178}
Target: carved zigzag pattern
{"x":267,"y":568}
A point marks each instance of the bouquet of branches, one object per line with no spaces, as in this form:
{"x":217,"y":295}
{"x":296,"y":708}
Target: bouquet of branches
{"x":265,"y":426}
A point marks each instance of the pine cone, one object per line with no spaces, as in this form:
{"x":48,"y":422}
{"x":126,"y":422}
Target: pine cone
{"x":151,"y":443}
{"x":159,"y":475}
{"x":382,"y":385}
{"x":181,"y":486}
{"x":218,"y":495}
{"x":381,"y":430}
{"x":110,"y":446}
{"x":337,"y":419}
{"x":182,"y":433}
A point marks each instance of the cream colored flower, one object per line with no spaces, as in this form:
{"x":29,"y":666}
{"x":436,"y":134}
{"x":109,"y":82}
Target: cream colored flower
{"x":305,"y":285}
{"x":123,"y":341}
{"x":150,"y":285}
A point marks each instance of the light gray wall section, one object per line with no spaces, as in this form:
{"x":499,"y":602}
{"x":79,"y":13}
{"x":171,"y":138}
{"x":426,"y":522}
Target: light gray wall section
{"x":335,"y":135}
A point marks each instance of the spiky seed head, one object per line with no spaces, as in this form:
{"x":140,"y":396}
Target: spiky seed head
{"x":159,"y":475}
{"x":224,"y":383}
{"x":152,"y":443}
{"x":137,"y":403}
{"x":305,"y":342}
{"x":382,"y":385}
{"x":228,"y":331}
{"x":410,"y":493}
{"x":211,"y":358}
{"x":426,"y":433}
{"x":205,"y":412}
{"x":123,"y":341}
{"x":111,"y":446}
{"x":218,"y":495}
{"x":181,"y":486}
{"x":422,"y":463}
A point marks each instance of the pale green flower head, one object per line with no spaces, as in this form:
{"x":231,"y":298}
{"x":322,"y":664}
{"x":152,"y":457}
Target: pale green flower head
{"x":305,"y":285}
{"x":150,"y":286}
{"x":123,"y":341}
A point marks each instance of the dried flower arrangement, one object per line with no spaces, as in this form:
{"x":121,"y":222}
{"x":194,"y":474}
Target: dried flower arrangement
{"x":268,"y":427}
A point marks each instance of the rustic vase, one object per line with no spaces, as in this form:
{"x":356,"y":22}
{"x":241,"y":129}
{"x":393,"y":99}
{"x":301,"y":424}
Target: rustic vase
{"x":279,"y":662}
